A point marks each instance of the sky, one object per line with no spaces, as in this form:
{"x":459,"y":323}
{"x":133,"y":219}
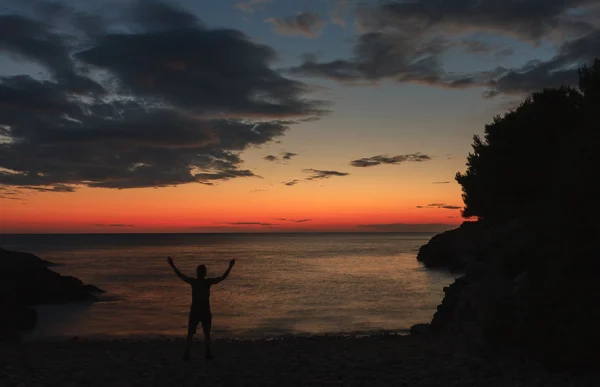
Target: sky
{"x":263,"y":115}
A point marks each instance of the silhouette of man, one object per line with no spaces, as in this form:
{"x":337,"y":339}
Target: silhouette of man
{"x":200,"y":308}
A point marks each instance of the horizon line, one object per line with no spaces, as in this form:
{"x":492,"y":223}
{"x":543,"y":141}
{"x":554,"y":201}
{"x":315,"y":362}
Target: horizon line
{"x":221,"y":233}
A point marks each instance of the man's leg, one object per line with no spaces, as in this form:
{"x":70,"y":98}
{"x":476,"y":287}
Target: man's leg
{"x":192,"y":324}
{"x":206,"y":327}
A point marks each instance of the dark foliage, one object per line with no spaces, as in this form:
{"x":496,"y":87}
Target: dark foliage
{"x":538,"y":165}
{"x":520,"y":162}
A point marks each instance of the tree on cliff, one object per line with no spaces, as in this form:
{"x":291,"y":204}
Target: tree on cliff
{"x":535,"y":171}
{"x":520,"y":162}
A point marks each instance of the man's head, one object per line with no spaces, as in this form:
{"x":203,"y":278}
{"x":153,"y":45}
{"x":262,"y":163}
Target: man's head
{"x":201,"y":271}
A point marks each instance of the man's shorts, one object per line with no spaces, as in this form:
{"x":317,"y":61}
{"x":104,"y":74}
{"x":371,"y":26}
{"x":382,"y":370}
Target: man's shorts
{"x":197,"y":317}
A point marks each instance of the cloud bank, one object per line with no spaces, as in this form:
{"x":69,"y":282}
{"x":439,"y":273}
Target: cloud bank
{"x":406,"y":41}
{"x":139,"y":105}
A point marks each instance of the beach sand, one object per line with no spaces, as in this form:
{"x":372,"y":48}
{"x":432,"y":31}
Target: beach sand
{"x":381,"y":360}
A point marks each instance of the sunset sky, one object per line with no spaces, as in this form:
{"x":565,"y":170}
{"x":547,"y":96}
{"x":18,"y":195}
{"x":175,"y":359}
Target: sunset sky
{"x":263,"y":115}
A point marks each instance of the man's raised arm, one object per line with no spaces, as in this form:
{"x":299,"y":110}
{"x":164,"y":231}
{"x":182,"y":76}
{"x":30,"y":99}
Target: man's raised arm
{"x":221,"y":278}
{"x":177,"y":272}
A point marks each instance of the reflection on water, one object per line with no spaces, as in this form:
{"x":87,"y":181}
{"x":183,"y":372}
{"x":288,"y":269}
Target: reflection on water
{"x":293,"y":283}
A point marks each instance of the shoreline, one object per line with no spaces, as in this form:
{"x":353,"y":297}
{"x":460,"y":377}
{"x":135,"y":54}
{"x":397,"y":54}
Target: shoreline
{"x":223,"y":337}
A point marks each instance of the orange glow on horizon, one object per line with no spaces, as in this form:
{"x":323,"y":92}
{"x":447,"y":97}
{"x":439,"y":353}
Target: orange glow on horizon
{"x":241,"y":205}
{"x":19,"y":220}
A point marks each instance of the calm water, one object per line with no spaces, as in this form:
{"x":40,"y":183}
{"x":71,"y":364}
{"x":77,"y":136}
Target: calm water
{"x":281,"y":284}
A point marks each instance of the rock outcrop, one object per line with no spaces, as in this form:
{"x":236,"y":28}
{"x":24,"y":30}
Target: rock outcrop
{"x":469,"y":244}
{"x":524,"y":288}
{"x":25,"y":280}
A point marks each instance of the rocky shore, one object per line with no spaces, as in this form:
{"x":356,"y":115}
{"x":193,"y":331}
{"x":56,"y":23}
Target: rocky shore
{"x":526,"y":288}
{"x":472,"y":243}
{"x":26,"y":280}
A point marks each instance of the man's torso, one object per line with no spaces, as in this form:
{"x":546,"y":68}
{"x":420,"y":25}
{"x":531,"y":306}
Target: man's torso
{"x":200,"y":296}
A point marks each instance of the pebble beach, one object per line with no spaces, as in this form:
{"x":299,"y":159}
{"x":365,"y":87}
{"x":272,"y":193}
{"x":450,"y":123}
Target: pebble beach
{"x":379,"y":360}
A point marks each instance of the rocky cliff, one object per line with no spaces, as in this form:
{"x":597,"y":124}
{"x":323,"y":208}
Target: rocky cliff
{"x":525,"y":288}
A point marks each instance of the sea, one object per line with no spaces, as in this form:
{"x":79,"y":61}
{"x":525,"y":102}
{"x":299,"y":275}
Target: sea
{"x":282,"y":284}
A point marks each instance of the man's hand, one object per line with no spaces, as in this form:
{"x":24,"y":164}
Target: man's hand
{"x":170,"y":260}
{"x":231,"y":263}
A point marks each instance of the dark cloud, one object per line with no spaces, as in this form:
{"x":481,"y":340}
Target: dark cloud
{"x":283,"y":156}
{"x":307,"y":24}
{"x":441,"y":205}
{"x":288,"y":155}
{"x":382,"y":159}
{"x":250,"y":5}
{"x":508,"y":51}
{"x":381,"y":55}
{"x":555,"y":72}
{"x":316,"y":174}
{"x":407,"y":227}
{"x":473,"y":46}
{"x":164,"y":116}
{"x":33,"y":40}
{"x":217,"y":227}
{"x":115,"y":225}
{"x":408,"y":41}
{"x":155,"y":15}
{"x":21,"y":96}
{"x":67,"y":16}
{"x":295,"y":220}
{"x":476,"y":46}
{"x":262,"y":224}
{"x":180,"y":74}
{"x":441,"y":182}
{"x":139,"y":149}
{"x":11,"y":194}
{"x":56,"y":188}
{"x":528,"y":20}
{"x":11,"y":198}
{"x":340,"y":12}
{"x":223,"y":175}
